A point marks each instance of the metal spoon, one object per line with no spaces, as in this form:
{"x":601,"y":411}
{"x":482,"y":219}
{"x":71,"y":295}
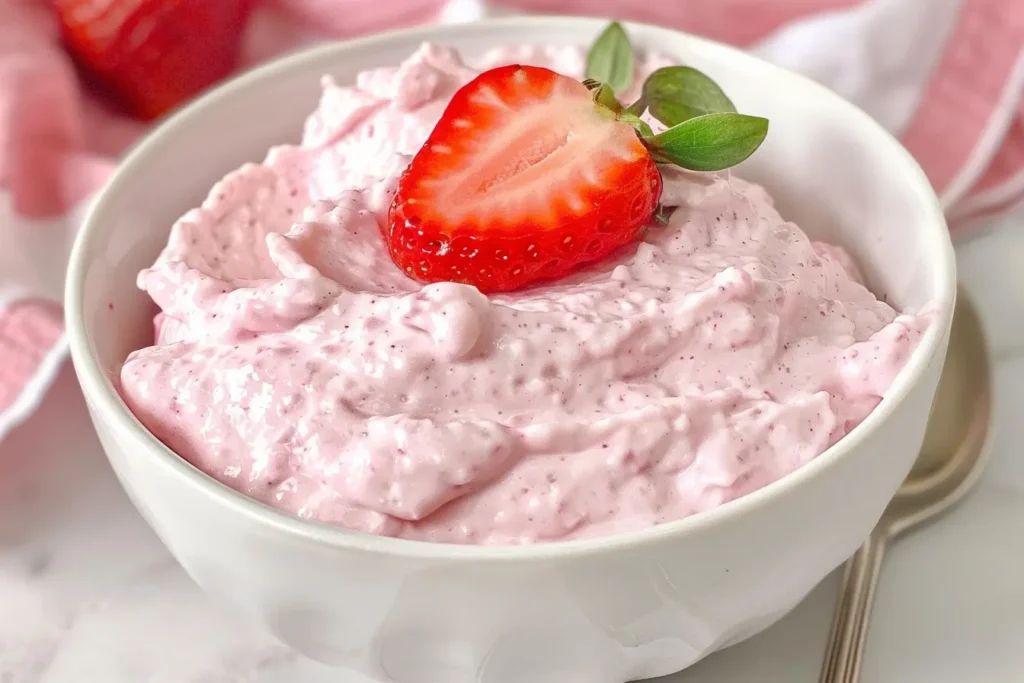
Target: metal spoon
{"x":951,"y":461}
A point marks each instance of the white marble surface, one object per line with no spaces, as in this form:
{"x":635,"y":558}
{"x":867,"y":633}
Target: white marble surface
{"x":87,"y":593}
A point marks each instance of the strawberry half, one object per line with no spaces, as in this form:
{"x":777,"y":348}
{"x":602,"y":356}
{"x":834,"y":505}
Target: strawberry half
{"x":524,"y":178}
{"x":154,"y":54}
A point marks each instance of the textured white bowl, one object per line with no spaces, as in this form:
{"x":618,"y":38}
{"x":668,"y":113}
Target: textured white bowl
{"x":599,"y":611}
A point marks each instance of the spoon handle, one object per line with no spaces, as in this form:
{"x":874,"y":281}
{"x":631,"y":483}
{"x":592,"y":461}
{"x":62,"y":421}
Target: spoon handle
{"x":850,"y":624}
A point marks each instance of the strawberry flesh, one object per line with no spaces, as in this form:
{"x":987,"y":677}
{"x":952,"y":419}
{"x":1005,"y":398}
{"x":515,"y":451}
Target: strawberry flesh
{"x":523,"y":179}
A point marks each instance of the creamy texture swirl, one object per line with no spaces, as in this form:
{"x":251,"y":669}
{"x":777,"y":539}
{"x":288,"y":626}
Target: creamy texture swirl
{"x":295,"y":363}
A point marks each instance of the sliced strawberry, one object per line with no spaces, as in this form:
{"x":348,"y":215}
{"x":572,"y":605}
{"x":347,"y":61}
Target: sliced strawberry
{"x":154,"y":54}
{"x":523,"y":179}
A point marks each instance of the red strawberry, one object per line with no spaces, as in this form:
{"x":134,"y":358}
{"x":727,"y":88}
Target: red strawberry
{"x":523,"y":179}
{"x":154,"y":54}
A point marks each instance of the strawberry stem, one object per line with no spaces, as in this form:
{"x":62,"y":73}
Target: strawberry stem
{"x":638,"y":107}
{"x":663,"y":213}
{"x":639,"y":125}
{"x":604,"y":96}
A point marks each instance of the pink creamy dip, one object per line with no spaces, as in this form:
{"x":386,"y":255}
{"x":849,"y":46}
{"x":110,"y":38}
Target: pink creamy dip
{"x":295,"y":363}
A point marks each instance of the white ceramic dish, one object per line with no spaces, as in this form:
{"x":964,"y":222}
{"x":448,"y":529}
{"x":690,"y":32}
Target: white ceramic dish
{"x":598,"y":611}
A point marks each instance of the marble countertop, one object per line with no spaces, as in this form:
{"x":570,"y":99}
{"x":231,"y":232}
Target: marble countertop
{"x":88,"y":594}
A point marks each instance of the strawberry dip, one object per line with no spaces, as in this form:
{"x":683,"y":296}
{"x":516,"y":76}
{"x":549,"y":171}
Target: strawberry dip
{"x":295,"y":363}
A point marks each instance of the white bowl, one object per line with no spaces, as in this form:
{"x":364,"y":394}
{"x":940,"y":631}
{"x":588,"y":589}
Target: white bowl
{"x":598,"y":611}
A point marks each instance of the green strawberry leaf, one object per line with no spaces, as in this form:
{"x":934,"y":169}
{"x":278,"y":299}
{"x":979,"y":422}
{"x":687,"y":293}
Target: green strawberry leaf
{"x":610,"y":59}
{"x":704,"y":131}
{"x":674,"y":94}
{"x":711,"y":142}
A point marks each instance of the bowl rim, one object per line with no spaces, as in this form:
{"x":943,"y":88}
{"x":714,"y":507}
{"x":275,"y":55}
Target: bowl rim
{"x":109,"y":408}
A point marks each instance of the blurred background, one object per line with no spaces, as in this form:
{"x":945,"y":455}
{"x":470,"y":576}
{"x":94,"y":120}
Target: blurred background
{"x":86,"y":591}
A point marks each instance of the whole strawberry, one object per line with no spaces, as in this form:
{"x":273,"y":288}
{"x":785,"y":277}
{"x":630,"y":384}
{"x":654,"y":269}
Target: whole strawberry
{"x":154,"y":55}
{"x":530,"y":174}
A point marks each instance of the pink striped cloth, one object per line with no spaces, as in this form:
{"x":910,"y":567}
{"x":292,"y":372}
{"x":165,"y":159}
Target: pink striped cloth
{"x":947,"y":76}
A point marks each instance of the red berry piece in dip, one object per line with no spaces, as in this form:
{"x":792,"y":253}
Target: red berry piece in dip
{"x":530,"y":174}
